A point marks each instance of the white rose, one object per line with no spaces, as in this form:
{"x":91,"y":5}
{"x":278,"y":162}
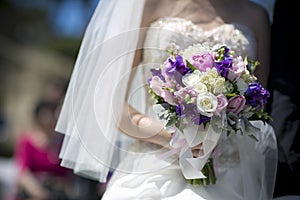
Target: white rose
{"x":219,"y":86}
{"x":191,"y":79}
{"x":200,"y":88}
{"x":207,"y":104}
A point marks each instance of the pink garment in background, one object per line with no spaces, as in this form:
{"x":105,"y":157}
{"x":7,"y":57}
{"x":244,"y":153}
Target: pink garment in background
{"x":36,"y":159}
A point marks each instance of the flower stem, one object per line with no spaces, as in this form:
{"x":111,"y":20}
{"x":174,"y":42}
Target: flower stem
{"x":209,"y":172}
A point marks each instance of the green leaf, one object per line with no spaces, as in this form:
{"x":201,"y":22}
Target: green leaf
{"x":189,"y":65}
{"x":251,"y":64}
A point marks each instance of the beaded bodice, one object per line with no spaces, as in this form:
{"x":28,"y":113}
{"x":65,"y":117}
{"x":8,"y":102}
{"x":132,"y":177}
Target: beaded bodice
{"x":183,"y":32}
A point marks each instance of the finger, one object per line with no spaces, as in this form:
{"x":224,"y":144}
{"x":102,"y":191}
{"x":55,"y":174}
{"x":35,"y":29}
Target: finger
{"x":197,"y":153}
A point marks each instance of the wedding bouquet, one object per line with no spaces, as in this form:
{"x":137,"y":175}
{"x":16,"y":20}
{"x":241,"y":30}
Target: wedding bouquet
{"x":201,"y":92}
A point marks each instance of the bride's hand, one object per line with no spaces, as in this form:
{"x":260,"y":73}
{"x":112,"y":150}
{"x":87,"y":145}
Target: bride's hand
{"x":197,"y":150}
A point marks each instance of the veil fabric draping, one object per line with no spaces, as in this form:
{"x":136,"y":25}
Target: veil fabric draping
{"x":96,"y":92}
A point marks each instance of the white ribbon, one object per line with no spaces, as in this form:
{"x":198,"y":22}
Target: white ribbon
{"x":184,"y":141}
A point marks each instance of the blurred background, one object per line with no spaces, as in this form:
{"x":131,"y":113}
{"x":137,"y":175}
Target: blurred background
{"x":39,"y":41}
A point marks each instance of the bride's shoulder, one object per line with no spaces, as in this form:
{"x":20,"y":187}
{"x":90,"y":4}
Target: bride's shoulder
{"x":255,"y":10}
{"x":250,"y":14}
{"x":259,"y":19}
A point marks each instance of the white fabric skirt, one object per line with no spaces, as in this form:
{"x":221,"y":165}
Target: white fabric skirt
{"x":245,"y":170}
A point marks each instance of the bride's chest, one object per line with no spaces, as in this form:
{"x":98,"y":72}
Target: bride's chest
{"x":165,"y":31}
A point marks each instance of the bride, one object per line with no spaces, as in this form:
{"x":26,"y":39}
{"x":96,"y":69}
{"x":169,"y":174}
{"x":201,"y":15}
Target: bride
{"x":107,"y":95}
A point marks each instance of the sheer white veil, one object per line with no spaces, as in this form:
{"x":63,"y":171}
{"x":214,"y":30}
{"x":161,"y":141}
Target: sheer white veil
{"x":96,"y":93}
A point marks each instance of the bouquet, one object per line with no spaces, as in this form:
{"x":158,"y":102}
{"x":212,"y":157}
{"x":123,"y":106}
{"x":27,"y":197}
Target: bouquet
{"x":201,"y":92}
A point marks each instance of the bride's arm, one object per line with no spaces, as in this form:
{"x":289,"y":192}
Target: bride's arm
{"x":262,"y":27}
{"x":133,"y":123}
{"x":140,"y":126}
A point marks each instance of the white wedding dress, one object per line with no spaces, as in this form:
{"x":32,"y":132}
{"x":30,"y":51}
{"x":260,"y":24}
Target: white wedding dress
{"x":245,"y":168}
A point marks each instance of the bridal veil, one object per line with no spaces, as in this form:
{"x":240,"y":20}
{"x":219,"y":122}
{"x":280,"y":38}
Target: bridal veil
{"x":97,"y":89}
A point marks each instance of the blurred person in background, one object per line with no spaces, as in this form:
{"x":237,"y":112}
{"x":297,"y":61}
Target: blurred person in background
{"x":40,"y":175}
{"x":54,"y":90}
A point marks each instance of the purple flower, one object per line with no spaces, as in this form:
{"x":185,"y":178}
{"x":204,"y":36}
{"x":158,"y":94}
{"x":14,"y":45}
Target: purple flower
{"x":222,"y":103}
{"x":161,"y":89}
{"x":157,"y":72}
{"x":156,"y":85}
{"x":177,"y":68}
{"x":182,"y":93}
{"x":223,"y":66}
{"x":203,"y":61}
{"x":190,"y":111}
{"x":169,"y":97}
{"x":178,"y":110}
{"x":238,"y":67}
{"x":256,"y":95}
{"x":226,"y":62}
{"x":226,"y":52}
{"x":236,"y":104}
{"x":200,"y":119}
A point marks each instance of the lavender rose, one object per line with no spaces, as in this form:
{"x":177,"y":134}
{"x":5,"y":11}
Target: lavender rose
{"x":185,"y":93}
{"x":238,"y":67}
{"x":222,"y":103}
{"x":203,"y":61}
{"x":236,"y":104}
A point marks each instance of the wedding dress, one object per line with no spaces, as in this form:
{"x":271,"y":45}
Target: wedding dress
{"x":245,"y":168}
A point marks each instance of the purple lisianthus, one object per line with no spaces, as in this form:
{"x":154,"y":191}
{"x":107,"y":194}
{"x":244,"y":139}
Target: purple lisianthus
{"x":185,"y":110}
{"x":226,"y":62}
{"x":223,"y":66}
{"x":256,"y":95}
{"x":200,"y":119}
{"x":177,"y":68}
{"x":189,"y":111}
{"x":157,"y":72}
